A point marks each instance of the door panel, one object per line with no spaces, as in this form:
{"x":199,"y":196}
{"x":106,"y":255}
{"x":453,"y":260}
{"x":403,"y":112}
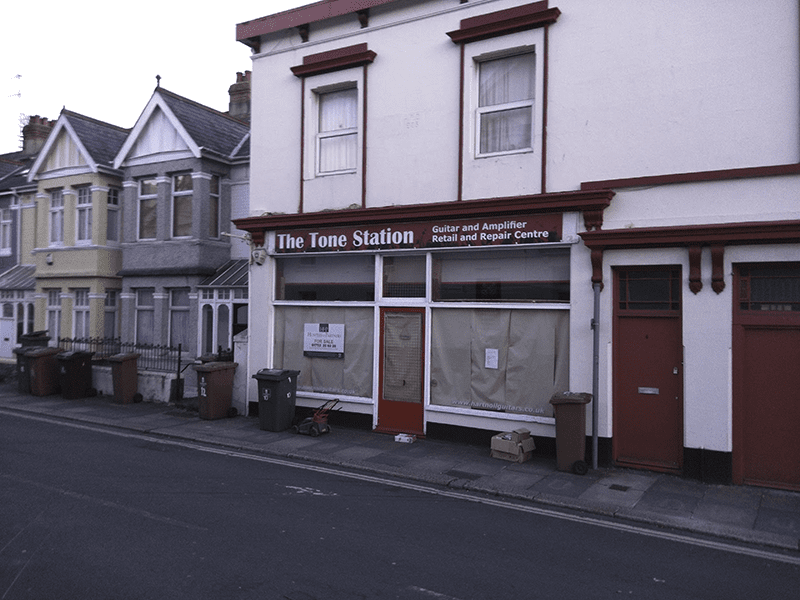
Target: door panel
{"x":400,"y":402}
{"x":648,"y":408}
{"x":648,"y":368}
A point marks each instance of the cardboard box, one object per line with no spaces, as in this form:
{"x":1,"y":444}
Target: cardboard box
{"x":515,"y":446}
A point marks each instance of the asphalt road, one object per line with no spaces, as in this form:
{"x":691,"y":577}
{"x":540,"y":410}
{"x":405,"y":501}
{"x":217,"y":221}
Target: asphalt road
{"x":93,"y":514}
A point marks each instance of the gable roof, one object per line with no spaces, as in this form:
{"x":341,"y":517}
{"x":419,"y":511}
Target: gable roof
{"x":98,"y":141}
{"x":203,"y":129}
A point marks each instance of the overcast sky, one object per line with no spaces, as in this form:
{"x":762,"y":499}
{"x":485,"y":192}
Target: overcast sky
{"x":101,"y":58}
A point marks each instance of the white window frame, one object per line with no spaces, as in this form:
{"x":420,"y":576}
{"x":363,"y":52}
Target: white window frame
{"x":83,"y":216}
{"x":6,"y":230}
{"x":54,"y":313}
{"x":56,"y":217}
{"x":144,"y":308}
{"x":322,"y":84}
{"x":179,"y":308}
{"x":113,"y":215}
{"x":111,"y":314}
{"x":177,"y":196}
{"x":490,"y":109}
{"x":81,"y":324}
{"x":214,"y":206}
{"x":146,"y":198}
{"x":324,"y":135}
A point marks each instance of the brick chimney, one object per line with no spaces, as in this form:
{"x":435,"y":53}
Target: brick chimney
{"x":239,"y":106}
{"x":35,"y":133}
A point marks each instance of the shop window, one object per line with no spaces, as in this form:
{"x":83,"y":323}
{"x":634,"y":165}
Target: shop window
{"x":350,"y":374}
{"x":337,"y":131}
{"x":326,"y":278}
{"x":509,"y":361}
{"x":182,"y":190}
{"x":148,"y":205}
{"x":505,"y":104}
{"x":649,"y":288}
{"x":526,"y":275}
{"x":404,"y":277}
{"x":769,"y":287}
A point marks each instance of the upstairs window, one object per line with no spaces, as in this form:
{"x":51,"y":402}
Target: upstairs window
{"x":213,"y":207}
{"x":182,"y":189}
{"x":337,"y":137}
{"x":5,"y":232}
{"x":84,"y":216}
{"x":505,"y":104}
{"x":148,"y":203}
{"x":112,"y":219}
{"x":56,"y":217}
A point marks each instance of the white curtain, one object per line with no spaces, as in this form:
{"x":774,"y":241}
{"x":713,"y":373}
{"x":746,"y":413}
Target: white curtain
{"x":338,"y":130}
{"x":503,"y":82}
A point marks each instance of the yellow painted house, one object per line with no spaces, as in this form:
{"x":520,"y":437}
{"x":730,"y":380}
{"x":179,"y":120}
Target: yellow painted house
{"x":72,"y":230}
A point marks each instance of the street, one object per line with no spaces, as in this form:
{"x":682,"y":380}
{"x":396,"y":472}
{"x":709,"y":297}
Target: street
{"x":101,"y":514}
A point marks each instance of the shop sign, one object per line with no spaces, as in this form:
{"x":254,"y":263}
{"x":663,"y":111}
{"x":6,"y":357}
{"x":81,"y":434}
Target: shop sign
{"x":444,"y":233}
{"x":323,"y":340}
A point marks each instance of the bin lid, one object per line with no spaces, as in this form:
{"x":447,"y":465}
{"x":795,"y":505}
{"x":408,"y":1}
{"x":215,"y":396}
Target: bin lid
{"x":275,"y":374}
{"x":571,"y":398}
{"x":42,"y":351}
{"x":215,"y":366}
{"x":73,"y":354}
{"x":123,"y":356}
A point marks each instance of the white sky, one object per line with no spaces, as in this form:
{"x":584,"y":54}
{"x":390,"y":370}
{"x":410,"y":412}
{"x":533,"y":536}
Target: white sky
{"x":101,"y":58}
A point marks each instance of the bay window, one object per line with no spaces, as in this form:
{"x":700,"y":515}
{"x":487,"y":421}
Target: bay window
{"x":182,"y":189}
{"x":148,"y":205}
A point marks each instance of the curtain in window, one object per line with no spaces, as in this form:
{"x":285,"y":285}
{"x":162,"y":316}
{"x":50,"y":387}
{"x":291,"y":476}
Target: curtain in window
{"x":532,"y":359}
{"x":351,"y":375}
{"x":338,"y":124}
{"x":502,"y":83}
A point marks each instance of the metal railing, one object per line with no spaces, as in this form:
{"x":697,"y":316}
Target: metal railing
{"x":152,"y":357}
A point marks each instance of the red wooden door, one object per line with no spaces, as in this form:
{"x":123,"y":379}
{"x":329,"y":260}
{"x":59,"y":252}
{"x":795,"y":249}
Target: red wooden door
{"x":400,"y":401}
{"x":766,"y":376}
{"x":648,"y":369}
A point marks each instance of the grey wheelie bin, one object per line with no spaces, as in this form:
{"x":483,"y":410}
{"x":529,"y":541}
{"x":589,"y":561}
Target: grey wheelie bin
{"x":277,"y":391}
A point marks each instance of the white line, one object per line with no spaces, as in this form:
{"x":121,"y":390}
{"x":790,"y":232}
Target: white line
{"x":545,"y":512}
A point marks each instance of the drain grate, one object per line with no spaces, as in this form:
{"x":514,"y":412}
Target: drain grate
{"x":619,"y":488}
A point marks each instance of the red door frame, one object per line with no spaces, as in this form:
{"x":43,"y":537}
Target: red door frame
{"x":396,"y":416}
{"x":674,"y":315}
{"x":756,"y":320}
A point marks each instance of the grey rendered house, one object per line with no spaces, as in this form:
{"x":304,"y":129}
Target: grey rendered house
{"x":186,"y":171}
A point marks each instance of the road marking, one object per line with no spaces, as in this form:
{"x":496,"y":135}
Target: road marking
{"x":506,"y":504}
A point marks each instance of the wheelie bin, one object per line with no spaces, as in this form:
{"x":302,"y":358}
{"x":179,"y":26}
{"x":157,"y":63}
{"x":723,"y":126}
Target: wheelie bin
{"x":43,"y":370}
{"x":75,"y":374}
{"x":28,"y":341}
{"x":570,"y":409}
{"x":215,"y":393}
{"x":125,"y":376}
{"x":277,"y":392}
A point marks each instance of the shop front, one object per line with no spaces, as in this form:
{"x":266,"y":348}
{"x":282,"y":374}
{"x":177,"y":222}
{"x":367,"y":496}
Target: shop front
{"x":457,"y":318}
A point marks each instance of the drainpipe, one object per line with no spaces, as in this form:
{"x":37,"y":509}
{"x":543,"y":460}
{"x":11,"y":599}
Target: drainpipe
{"x":595,"y":370}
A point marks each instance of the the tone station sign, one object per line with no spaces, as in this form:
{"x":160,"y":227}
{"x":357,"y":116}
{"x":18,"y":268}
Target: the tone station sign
{"x":482,"y":231}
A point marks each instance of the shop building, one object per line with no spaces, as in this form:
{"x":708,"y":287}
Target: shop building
{"x":462,"y":208}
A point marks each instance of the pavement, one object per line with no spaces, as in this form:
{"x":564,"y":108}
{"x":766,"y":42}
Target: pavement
{"x":759,"y":516}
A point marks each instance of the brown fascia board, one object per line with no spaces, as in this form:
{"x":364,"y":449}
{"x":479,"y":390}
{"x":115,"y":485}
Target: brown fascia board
{"x":303,"y":15}
{"x":753,"y":232}
{"x":595,"y":201}
{"x":503,"y":22}
{"x":335,"y":60}
{"x":695,"y":177}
